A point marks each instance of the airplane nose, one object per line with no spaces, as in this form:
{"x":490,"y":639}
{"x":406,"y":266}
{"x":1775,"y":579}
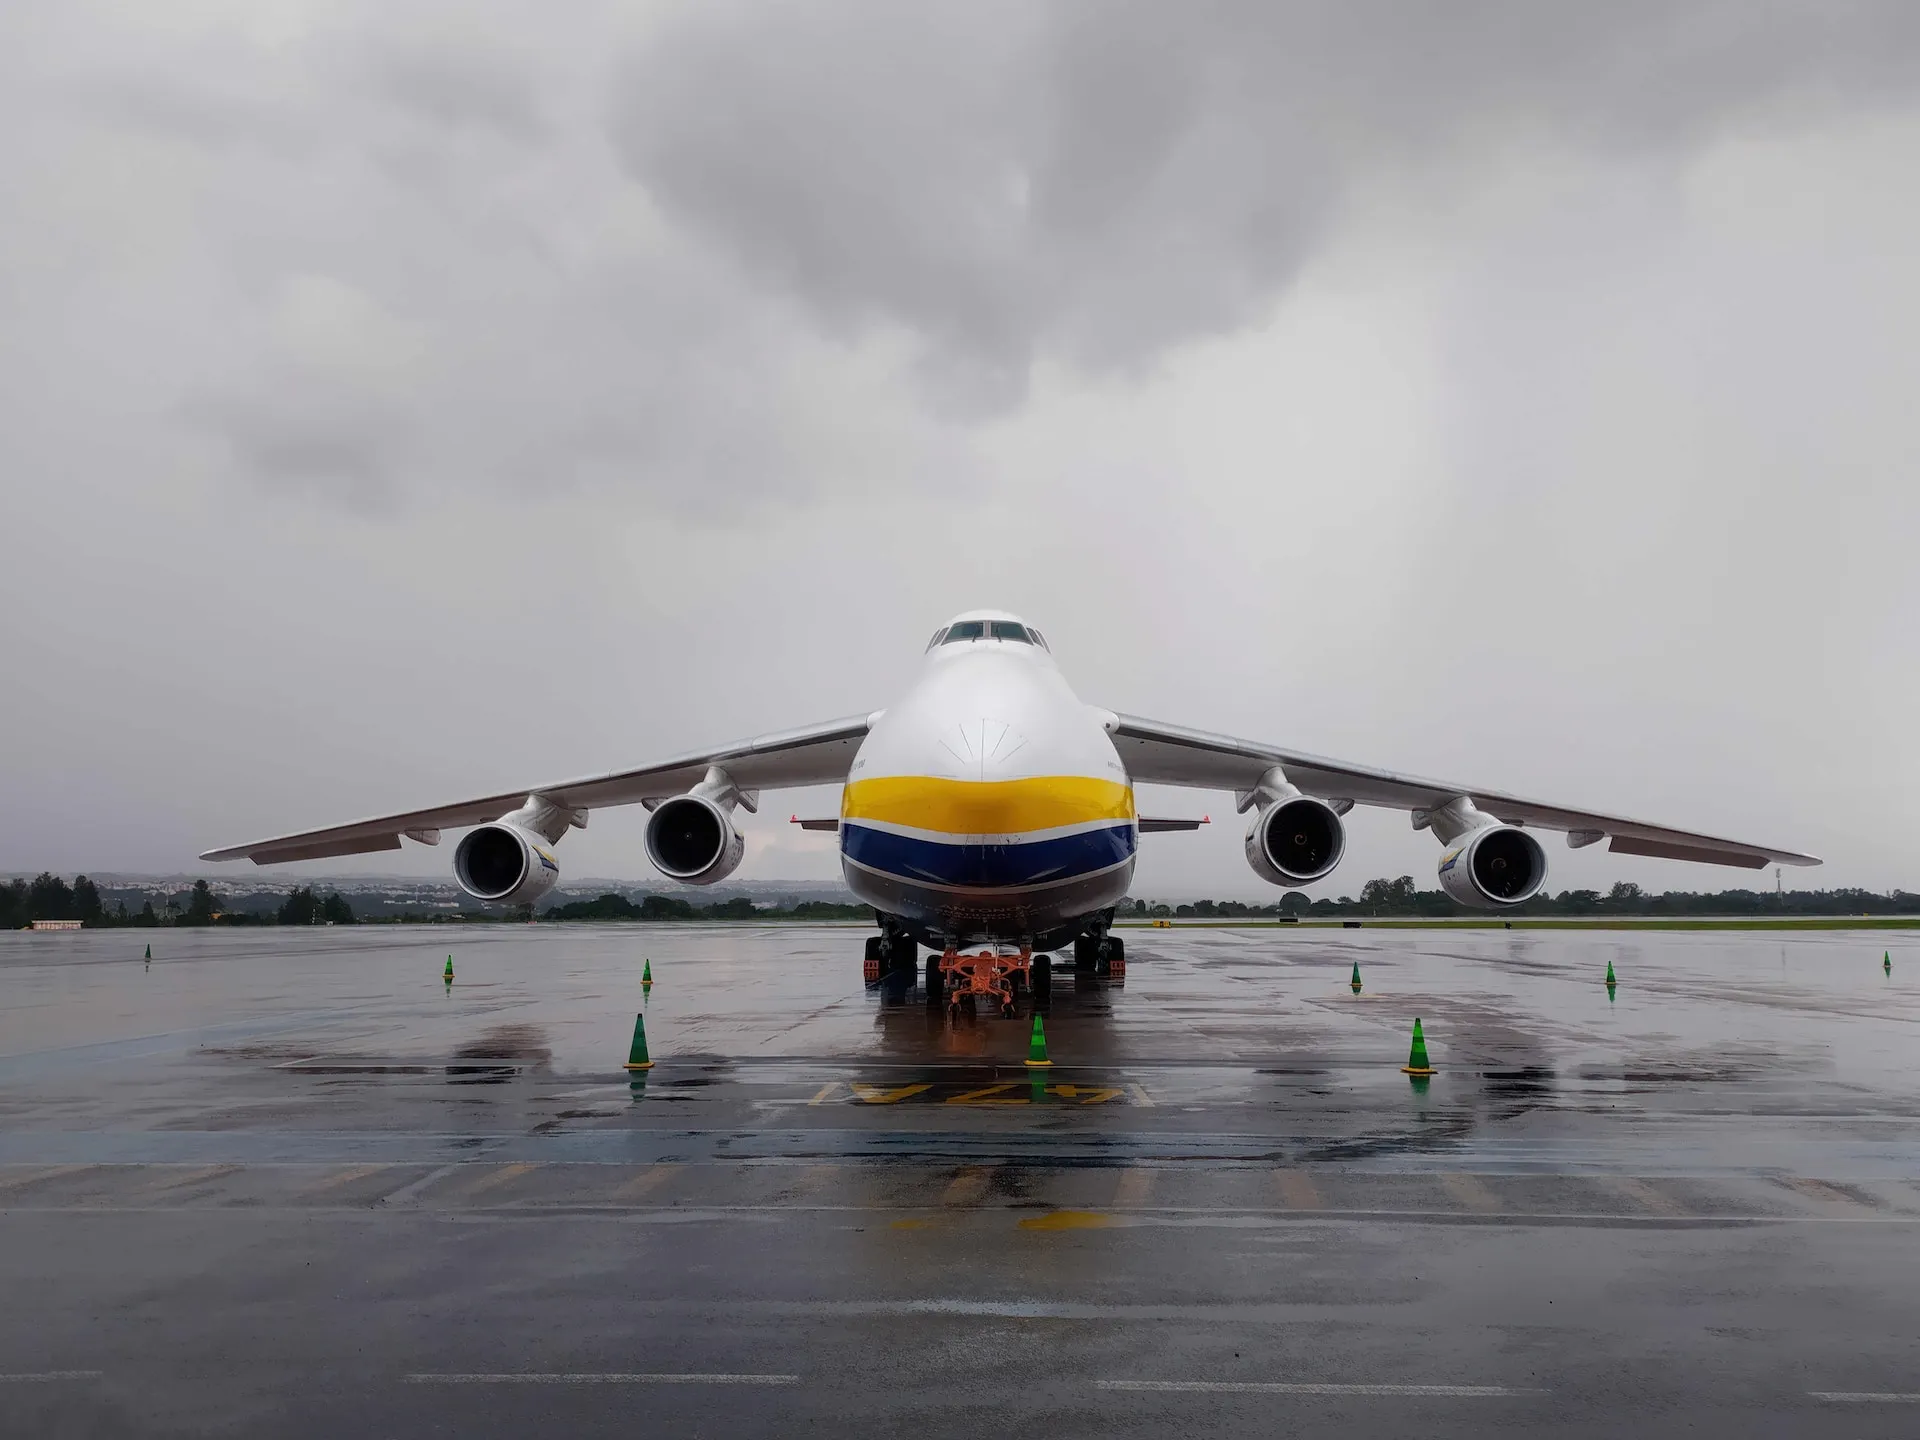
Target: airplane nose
{"x":987,"y":748}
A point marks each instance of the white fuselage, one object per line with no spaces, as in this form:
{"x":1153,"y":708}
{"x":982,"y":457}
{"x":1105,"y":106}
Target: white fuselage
{"x":989,"y":803}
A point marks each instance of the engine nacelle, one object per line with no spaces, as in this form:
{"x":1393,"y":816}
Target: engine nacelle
{"x":692,"y":839}
{"x":503,"y":863}
{"x":1493,"y":867}
{"x":1295,"y":842}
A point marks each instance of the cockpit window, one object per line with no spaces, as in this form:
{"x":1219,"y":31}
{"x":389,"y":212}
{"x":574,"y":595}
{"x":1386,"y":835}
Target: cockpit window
{"x":1009,"y":630}
{"x":965,"y":630}
{"x":938,"y":636}
{"x":1038,"y":639}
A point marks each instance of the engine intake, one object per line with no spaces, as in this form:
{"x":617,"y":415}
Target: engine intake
{"x":692,"y":840}
{"x":1295,"y":842}
{"x":505,"y":864}
{"x":1493,"y":867}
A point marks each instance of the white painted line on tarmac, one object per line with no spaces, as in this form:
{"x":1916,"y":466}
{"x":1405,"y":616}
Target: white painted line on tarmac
{"x":412,"y":1190}
{"x":1867,"y":1397}
{"x":45,"y":1377}
{"x":521,"y":1377}
{"x":1276,"y":1387}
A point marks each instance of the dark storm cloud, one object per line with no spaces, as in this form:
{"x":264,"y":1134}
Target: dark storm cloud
{"x":1099,"y":181}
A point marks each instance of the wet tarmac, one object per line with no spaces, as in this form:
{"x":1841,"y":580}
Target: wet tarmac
{"x":288,"y":1182}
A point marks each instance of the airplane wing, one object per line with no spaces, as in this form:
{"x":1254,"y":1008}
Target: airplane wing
{"x":816,"y":755}
{"x":1162,"y":754}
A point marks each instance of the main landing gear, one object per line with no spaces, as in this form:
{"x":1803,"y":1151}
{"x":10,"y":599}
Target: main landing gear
{"x":889,"y":955}
{"x":1101,"y":955}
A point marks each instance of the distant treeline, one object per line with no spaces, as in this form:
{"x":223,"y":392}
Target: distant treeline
{"x":1398,"y":897}
{"x":48,"y":897}
{"x":665,"y":907}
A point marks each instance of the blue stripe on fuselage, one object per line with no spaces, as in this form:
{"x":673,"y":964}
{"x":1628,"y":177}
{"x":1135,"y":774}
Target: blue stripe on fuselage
{"x":986,"y":867}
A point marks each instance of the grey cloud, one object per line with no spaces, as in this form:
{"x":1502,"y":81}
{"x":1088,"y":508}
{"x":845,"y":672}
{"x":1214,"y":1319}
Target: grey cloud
{"x":306,"y":435}
{"x":203,"y":113}
{"x":461,"y":86}
{"x":1097,"y":182}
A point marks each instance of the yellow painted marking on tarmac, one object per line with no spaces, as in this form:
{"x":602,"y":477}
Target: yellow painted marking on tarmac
{"x":343,"y":1179}
{"x":1638,"y":1192}
{"x":1085,"y":1094}
{"x":1824,"y":1190}
{"x":1297,"y":1190}
{"x":501,"y":1175}
{"x":194,"y":1177}
{"x":820,"y":1095}
{"x":1067,"y":1220}
{"x":39,"y":1173}
{"x":1000,"y":1094}
{"x":650,"y":1178}
{"x":1140,"y":1096}
{"x":968,"y":1186}
{"x":884,"y":1095}
{"x":1469,"y":1192}
{"x":1135,"y":1188}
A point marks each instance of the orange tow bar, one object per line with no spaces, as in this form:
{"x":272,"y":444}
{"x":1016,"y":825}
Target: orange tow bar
{"x":987,"y":973}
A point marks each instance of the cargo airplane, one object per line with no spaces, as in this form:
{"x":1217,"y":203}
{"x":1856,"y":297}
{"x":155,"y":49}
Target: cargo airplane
{"x":990,"y":806}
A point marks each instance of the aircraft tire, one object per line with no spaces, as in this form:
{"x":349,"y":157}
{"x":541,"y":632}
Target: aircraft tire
{"x":902,"y":955}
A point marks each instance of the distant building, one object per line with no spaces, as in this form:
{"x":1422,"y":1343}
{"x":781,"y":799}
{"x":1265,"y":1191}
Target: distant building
{"x":56,"y":924}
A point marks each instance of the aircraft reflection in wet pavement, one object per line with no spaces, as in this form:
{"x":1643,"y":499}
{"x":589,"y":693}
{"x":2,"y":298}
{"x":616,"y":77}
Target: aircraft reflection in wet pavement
{"x":991,"y":807}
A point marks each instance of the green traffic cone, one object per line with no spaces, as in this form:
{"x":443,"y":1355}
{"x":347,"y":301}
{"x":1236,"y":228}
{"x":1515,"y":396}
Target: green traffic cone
{"x":1886,"y":961}
{"x":447,"y":974}
{"x":637,"y":1054}
{"x":1037,"y":1045}
{"x":1356,"y":977}
{"x":646,"y":976}
{"x":1610,"y":980}
{"x":149,"y":954}
{"x":1417,"y":1063}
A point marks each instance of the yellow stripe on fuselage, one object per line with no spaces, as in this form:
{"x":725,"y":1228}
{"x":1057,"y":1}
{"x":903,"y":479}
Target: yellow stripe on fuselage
{"x":986,"y":807}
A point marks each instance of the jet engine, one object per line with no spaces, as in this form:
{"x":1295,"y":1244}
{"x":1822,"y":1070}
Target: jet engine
{"x":690,"y":838}
{"x":1295,"y":842}
{"x":1493,"y":866}
{"x":502,"y":862}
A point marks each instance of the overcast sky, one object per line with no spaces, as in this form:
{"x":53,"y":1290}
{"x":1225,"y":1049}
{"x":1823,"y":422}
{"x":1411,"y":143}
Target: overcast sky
{"x":402,"y":402}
